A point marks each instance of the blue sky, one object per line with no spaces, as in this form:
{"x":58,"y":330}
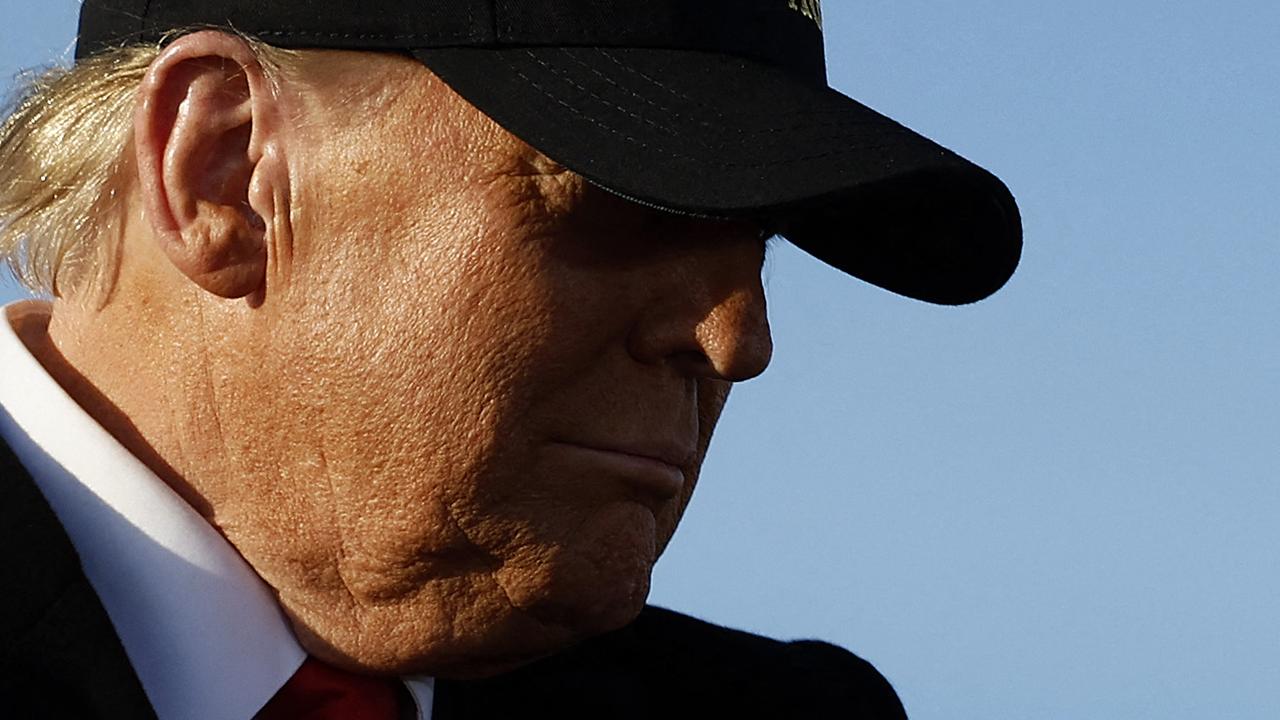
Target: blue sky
{"x":1060,"y":502}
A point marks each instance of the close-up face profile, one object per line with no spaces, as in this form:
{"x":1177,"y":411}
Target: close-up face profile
{"x":638,"y":359}
{"x":503,"y":379}
{"x":374,"y":351}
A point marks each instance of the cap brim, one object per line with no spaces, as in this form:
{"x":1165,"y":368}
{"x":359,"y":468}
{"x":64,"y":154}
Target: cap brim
{"x":721,"y":136}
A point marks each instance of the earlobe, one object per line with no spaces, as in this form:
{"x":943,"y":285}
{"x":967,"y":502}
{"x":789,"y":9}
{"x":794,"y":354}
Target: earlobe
{"x":204,"y":117}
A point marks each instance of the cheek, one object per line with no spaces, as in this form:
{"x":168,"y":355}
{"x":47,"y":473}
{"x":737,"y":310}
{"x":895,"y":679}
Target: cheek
{"x":404,"y":424}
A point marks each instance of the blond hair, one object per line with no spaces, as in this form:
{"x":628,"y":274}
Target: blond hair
{"x":63,"y":149}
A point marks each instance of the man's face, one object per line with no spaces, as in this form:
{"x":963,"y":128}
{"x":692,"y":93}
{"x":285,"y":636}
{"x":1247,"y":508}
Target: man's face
{"x":493,"y":383}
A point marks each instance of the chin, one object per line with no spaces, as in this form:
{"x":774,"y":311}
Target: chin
{"x":582,"y":606}
{"x":598,"y":583}
{"x":540,"y":599}
{"x":605,"y":609}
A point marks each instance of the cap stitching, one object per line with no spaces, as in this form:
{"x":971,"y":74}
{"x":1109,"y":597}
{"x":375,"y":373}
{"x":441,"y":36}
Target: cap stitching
{"x":661,"y":151}
{"x":619,"y":108}
{"x":609,"y":56}
{"x":673,"y":131}
{"x":648,"y":101}
{"x":803,"y":113}
{"x":741,"y":131}
{"x":538,"y":86}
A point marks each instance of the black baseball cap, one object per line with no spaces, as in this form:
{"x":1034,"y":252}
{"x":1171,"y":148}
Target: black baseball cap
{"x":711,"y":108}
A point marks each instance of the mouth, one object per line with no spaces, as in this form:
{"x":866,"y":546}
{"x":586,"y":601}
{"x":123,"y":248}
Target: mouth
{"x":655,"y":472}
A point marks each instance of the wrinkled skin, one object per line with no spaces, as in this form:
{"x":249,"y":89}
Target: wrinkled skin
{"x":392,"y":425}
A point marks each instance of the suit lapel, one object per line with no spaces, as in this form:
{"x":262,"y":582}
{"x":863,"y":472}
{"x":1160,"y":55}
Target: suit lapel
{"x":59,"y":654}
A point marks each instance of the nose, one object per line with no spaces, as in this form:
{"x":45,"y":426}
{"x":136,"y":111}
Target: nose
{"x":706,"y":315}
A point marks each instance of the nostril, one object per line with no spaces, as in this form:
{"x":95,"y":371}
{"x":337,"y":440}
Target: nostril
{"x":693,"y":363}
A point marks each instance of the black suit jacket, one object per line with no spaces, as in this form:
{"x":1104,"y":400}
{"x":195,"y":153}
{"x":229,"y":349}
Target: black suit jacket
{"x":60,"y":656}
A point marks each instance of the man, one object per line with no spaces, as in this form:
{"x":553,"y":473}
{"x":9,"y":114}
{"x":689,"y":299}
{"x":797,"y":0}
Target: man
{"x":397,"y":356}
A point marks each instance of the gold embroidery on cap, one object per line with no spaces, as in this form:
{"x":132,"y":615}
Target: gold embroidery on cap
{"x":811,"y":9}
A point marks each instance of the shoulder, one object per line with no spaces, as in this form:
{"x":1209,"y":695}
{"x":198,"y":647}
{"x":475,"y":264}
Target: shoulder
{"x":762,"y":671}
{"x":667,"y":664}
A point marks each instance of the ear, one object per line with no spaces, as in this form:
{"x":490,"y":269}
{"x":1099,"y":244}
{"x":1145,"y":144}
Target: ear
{"x":210,"y":169}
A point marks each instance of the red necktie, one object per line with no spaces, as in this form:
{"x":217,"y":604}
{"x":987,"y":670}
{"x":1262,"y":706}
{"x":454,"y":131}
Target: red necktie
{"x":323,"y":692}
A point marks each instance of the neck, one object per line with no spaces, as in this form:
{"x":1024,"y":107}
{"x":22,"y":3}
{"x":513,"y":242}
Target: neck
{"x":77,"y":346}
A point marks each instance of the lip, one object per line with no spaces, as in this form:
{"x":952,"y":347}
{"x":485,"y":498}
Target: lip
{"x":649,"y":470}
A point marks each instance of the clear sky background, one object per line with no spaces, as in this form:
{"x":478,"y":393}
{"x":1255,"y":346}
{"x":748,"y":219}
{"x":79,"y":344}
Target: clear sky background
{"x":1061,"y":502}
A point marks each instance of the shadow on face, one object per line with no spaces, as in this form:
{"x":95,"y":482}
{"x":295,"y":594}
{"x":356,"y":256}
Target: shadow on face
{"x":490,"y":383}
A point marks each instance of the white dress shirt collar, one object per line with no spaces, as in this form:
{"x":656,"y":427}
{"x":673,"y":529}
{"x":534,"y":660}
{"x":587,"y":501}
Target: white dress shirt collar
{"x":203,"y":632}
